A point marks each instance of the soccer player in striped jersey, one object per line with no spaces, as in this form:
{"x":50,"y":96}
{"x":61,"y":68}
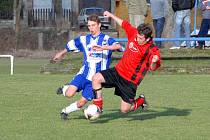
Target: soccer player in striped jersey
{"x":140,"y":56}
{"x":94,"y":61}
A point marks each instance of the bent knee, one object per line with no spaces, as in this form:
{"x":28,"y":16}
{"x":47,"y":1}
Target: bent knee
{"x":69,"y":93}
{"x":97,"y":78}
{"x":124,"y":110}
{"x":80,"y":104}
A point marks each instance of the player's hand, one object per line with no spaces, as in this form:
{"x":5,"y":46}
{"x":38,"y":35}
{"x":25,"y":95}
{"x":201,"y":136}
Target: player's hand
{"x":56,"y":58}
{"x":205,"y":3}
{"x":52,"y":61}
{"x":97,"y":48}
{"x":155,"y":59}
{"x":107,"y":14}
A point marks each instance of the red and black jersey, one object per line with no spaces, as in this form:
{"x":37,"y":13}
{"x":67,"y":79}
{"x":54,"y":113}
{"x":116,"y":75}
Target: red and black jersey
{"x":136,"y":59}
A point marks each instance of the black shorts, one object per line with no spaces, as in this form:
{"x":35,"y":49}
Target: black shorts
{"x":123,"y":88}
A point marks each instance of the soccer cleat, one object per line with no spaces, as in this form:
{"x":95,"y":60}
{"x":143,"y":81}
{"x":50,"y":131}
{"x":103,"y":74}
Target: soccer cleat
{"x":59,"y":90}
{"x":100,"y":110}
{"x":144,"y":106}
{"x":64,"y":116}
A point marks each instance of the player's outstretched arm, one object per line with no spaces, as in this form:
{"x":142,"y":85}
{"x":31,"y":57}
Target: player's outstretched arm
{"x":115,"y":18}
{"x":112,"y":47}
{"x":58,"y":56}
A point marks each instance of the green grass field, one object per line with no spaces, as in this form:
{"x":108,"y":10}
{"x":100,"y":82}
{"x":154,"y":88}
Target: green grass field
{"x":179,"y":108}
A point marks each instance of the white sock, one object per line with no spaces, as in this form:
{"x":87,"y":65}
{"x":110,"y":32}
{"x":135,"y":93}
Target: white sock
{"x":71,"y":108}
{"x":65,"y":89}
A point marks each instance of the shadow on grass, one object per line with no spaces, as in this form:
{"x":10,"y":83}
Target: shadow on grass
{"x":141,"y":116}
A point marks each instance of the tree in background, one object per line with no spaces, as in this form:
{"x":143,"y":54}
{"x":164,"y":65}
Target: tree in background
{"x":17,"y":5}
{"x":58,"y":10}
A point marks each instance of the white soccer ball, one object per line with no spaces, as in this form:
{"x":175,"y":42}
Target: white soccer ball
{"x":92,"y":112}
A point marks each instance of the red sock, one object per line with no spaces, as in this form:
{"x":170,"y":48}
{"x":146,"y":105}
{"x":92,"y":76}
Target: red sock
{"x":98,"y":102}
{"x":138,"y":102}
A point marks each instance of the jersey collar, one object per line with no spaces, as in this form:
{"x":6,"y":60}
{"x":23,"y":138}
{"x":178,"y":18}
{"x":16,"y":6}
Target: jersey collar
{"x":95,"y":36}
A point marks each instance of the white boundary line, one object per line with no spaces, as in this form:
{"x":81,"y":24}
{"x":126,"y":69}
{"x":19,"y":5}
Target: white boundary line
{"x":11,"y":62}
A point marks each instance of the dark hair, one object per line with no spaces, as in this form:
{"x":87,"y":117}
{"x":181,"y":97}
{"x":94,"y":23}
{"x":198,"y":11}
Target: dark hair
{"x":95,"y":18}
{"x":145,"y":29}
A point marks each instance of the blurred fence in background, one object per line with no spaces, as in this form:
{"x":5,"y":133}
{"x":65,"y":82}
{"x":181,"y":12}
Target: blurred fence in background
{"x":46,"y":17}
{"x":6,"y":15}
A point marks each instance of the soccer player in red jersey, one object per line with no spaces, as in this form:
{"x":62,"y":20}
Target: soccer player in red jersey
{"x":140,"y":56}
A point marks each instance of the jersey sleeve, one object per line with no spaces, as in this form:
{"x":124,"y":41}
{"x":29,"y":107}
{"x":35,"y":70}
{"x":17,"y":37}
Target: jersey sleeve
{"x":155,"y":51}
{"x":129,"y":29}
{"x":111,"y":41}
{"x":74,"y":45}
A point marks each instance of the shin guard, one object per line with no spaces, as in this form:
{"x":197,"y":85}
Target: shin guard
{"x":98,"y":102}
{"x":137,"y":103}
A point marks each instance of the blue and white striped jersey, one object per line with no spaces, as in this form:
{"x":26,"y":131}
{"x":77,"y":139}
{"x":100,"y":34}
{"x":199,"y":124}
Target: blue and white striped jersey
{"x":94,"y":61}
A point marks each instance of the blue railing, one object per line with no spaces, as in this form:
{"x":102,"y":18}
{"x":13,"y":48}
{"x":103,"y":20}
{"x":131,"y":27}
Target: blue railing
{"x":171,"y":39}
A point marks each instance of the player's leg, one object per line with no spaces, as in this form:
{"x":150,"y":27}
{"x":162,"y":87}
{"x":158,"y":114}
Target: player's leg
{"x":67,"y":90}
{"x":70,"y":90}
{"x":87,"y":95}
{"x":139,"y":102}
{"x":73,"y":107}
{"x":127,"y":106}
{"x":107,"y":79}
{"x":127,"y":91}
{"x":97,"y":81}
